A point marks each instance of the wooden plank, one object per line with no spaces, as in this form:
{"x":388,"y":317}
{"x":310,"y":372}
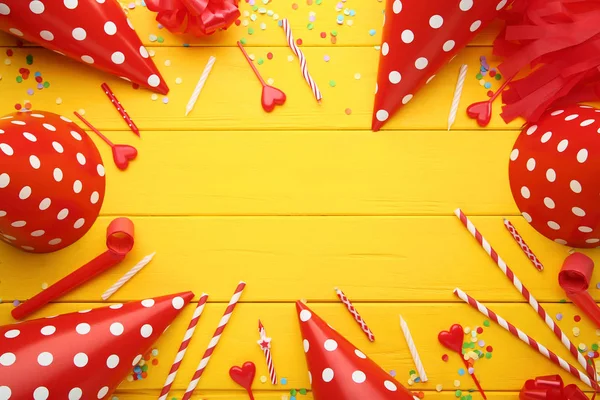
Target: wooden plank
{"x":289,"y":258}
{"x":215,"y":110}
{"x":512,"y":363}
{"x":311,"y":173}
{"x":262,"y":395}
{"x":369,"y":15}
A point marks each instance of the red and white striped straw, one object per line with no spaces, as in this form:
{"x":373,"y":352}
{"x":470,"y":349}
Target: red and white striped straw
{"x":521,"y":242}
{"x":355,"y":314}
{"x":303,"y":67}
{"x":526,"y":338}
{"x":183,"y":347}
{"x":526,"y":294}
{"x":265,"y":345}
{"x":214,"y":341}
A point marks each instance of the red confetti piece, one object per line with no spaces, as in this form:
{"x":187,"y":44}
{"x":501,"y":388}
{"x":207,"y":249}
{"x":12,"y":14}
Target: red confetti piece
{"x":299,"y":42}
{"x":348,"y":111}
{"x":135,"y":86}
{"x":17,"y":106}
{"x":445,"y":358}
{"x":333,"y":40}
{"x":577,"y":318}
{"x":480,"y":330}
{"x":9,"y":52}
{"x":323,"y":35}
{"x":270,"y":55}
{"x":237,"y":22}
{"x":489,"y":349}
{"x":155,"y":362}
{"x":294,"y":6}
{"x":39,"y":79}
{"x":490,"y":93}
{"x":492,"y":73}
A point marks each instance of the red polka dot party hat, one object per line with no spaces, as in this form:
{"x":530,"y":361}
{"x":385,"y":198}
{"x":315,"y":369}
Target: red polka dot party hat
{"x":338,"y":370}
{"x":95,"y":32}
{"x":82,"y":355}
{"x":419,"y":37}
{"x":52,"y":181}
{"x":554,"y":172}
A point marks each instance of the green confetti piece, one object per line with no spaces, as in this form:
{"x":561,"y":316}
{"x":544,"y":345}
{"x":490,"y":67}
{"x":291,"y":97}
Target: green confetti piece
{"x":310,"y":26}
{"x":334,"y":33}
{"x":19,"y":79}
{"x":303,"y":391}
{"x":255,"y":8}
{"x":411,"y":372}
{"x":479,"y":76}
{"x":319,"y":2}
{"x":260,"y":61}
{"x":332,"y":83}
{"x":468,"y":397}
{"x":458,"y":393}
{"x":486,"y":323}
{"x":498,"y":77}
{"x":243,"y":40}
{"x":488,"y":355}
{"x":46,"y":84}
{"x":160,"y":39}
{"x":561,"y":300}
{"x":145,"y":368}
{"x":293,"y":392}
{"x":250,"y":31}
{"x":595,"y":347}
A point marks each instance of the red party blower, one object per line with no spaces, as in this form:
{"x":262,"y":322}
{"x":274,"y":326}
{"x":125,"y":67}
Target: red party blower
{"x":574,"y":277}
{"x":119,"y":241}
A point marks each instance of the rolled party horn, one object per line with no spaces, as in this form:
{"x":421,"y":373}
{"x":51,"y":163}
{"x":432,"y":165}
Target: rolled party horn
{"x":564,"y":339}
{"x":574,"y":277}
{"x":119,"y":242}
{"x":526,"y":338}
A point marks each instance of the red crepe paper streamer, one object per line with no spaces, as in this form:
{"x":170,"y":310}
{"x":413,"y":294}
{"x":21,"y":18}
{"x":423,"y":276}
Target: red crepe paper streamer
{"x":574,"y":277}
{"x":196,"y":17}
{"x":559,"y":40}
{"x":550,"y":387}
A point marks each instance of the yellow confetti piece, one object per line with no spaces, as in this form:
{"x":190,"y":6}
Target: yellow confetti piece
{"x":456,"y":383}
{"x":154,"y":97}
{"x":582,"y":346}
{"x":178,"y":81}
{"x":467,"y":330}
{"x":81,"y":111}
{"x":291,"y":58}
{"x":410,"y":382}
{"x":59,"y":101}
{"x":167,"y":63}
{"x":439,"y":387}
{"x":270,"y":81}
{"x":44,"y":286}
{"x":576,"y":331}
{"x":263,"y":379}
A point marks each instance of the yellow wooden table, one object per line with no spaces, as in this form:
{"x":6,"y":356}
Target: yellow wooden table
{"x":299,"y":201}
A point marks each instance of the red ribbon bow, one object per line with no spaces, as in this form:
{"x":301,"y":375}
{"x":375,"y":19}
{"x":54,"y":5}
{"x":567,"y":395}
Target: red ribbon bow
{"x":197,"y":17}
{"x":550,"y":388}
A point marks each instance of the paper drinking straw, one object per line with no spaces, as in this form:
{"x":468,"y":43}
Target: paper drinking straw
{"x":413,"y":350}
{"x":525,"y":292}
{"x":355,"y":314}
{"x":183,"y":347}
{"x":128,"y":275}
{"x":113,"y":98}
{"x":200,"y":85}
{"x":214,"y":341}
{"x":460,"y":83}
{"x":521,"y":242}
{"x":526,"y":338}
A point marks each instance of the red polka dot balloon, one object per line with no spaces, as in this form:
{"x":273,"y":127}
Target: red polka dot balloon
{"x":51,"y":181}
{"x":555,"y":175}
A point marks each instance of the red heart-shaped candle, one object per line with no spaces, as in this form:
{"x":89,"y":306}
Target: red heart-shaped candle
{"x":272,"y":97}
{"x":453,"y":338}
{"x":122,"y":154}
{"x":481,"y":111}
{"x":244,"y":375}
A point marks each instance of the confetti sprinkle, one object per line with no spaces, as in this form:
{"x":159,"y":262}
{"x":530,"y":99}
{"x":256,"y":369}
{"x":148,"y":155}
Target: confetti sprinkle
{"x":59,"y":101}
{"x":458,"y":393}
{"x":326,"y":58}
{"x":357,"y":76}
{"x":582,"y":347}
{"x":559,"y":316}
{"x":165,"y":100}
{"x":372,"y":32}
{"x":461,"y":371}
{"x":445,"y":358}
{"x":154,"y":97}
{"x":392,"y":373}
{"x":271,"y":81}
{"x":263,"y":379}
{"x":348,"y":111}
{"x":467,"y":330}
{"x":577,"y":318}
{"x":332,"y":83}
{"x":269,"y":55}
{"x":81,"y":111}
{"x":44,"y":286}
{"x":290,"y":58}
{"x":439,"y":387}
{"x":283,"y":381}
{"x":486,"y":323}
{"x":456,"y":383}
{"x":178,"y":80}
{"x":167,"y":63}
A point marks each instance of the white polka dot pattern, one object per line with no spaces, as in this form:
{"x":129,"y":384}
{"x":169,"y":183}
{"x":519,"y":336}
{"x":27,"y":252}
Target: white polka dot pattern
{"x":417,"y":41}
{"x":558,"y":191}
{"x":110,"y":43}
{"x":337,"y":368}
{"x":61,"y":194}
{"x":69,"y":345}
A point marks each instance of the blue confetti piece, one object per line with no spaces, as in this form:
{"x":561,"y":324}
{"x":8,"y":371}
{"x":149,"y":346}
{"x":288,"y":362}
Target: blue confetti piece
{"x":37,"y":73}
{"x":372,"y":32}
{"x":461,"y":371}
{"x":352,"y":13}
{"x":283,"y":381}
{"x":487,"y":85}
